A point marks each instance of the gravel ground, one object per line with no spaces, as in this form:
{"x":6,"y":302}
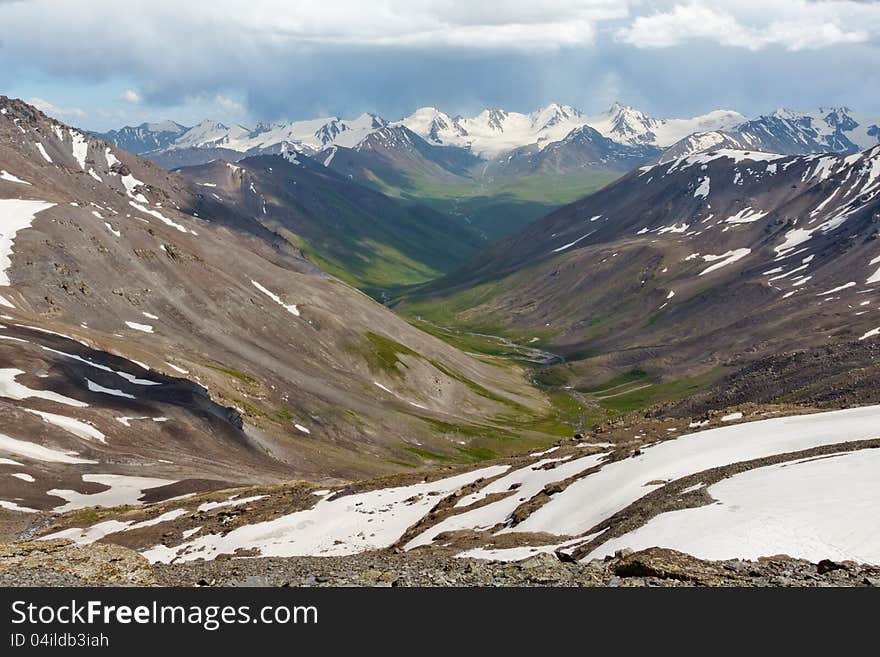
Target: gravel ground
{"x":36,"y":566}
{"x":43,"y":577}
{"x":652,"y":567}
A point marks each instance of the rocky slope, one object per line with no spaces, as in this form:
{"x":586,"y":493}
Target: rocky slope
{"x":752,"y":484}
{"x":148,"y":350}
{"x":583,"y":149}
{"x":655,"y":567}
{"x":355,"y":233}
{"x":394,"y":158}
{"x":679,"y":267}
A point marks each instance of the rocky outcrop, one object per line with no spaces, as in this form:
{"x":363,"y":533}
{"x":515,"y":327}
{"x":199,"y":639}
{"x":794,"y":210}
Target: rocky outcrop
{"x":97,"y":564}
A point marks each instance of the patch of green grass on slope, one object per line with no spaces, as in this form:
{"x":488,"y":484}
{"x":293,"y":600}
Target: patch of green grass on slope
{"x":655,"y":393}
{"x":382,"y":354}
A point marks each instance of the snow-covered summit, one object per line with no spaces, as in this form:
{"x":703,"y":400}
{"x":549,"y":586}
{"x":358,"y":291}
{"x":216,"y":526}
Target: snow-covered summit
{"x":496,"y":131}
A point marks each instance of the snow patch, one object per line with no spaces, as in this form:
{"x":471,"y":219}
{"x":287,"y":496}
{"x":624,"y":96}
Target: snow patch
{"x":291,"y":308}
{"x":521,"y":485}
{"x":165,"y":220}
{"x":5,"y":175}
{"x":38,"y":452}
{"x":79,"y":148}
{"x":726,"y":259}
{"x":145,"y":328}
{"x":232,"y":501}
{"x":94,"y":387}
{"x":71,"y":425}
{"x":571,"y":244}
{"x":44,"y":153}
{"x":15,"y":215}
{"x":837,"y":289}
{"x":11,"y":389}
{"x":123,"y":489}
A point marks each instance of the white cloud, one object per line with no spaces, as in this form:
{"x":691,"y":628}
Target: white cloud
{"x":59,"y":112}
{"x":280,"y":59}
{"x":261,"y":25}
{"x":515,"y":24}
{"x":229,"y":104}
{"x":792,"y":24}
{"x":131,"y":96}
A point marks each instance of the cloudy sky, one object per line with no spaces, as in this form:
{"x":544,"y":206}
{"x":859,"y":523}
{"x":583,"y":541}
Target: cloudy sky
{"x":104,"y":63}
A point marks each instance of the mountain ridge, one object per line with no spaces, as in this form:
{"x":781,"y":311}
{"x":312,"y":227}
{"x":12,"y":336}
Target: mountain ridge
{"x":681,"y":255}
{"x":496,"y":131}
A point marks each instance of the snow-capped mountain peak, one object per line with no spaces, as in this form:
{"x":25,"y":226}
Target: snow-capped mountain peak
{"x":372,"y":120}
{"x":824,"y":129}
{"x":349,"y":134}
{"x":494,"y":118}
{"x":628,"y":125}
{"x":625,"y":124}
{"x":783,"y":113}
{"x":210,"y":133}
{"x":554,"y":114}
{"x":146,"y":137}
{"x":164,"y":126}
{"x":436,"y":127}
{"x":262,"y":127}
{"x":495,"y":131}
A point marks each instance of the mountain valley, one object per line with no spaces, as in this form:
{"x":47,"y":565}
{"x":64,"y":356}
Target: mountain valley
{"x":668,"y":269}
{"x":500,"y":170}
{"x":141,"y":337}
{"x":545,"y":348}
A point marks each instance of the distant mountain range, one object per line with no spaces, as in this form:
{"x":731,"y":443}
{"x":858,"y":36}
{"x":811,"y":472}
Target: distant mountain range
{"x":495,"y":132}
{"x":147,"y":137}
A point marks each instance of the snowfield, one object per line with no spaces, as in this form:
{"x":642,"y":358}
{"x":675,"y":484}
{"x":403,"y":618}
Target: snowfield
{"x":820,"y":508}
{"x":528,"y":482}
{"x":597,"y":497}
{"x":334,"y":526}
{"x":814,"y":507}
{"x":121,"y":489}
